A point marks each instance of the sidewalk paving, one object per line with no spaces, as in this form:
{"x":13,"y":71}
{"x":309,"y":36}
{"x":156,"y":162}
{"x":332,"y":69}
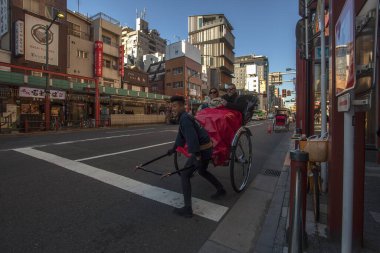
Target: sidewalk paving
{"x":273,"y":235}
{"x":267,"y":201}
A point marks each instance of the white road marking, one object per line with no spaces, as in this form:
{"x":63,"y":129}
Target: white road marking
{"x":108,"y":137}
{"x":134,"y":130}
{"x":201,"y":207}
{"x":122,"y":152}
{"x":253,"y":125}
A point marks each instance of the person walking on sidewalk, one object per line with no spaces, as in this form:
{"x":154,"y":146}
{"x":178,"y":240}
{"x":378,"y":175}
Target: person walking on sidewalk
{"x":200,"y":147}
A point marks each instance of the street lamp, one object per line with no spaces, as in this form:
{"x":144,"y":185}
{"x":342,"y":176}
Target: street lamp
{"x":47,"y":91}
{"x":188,"y":91}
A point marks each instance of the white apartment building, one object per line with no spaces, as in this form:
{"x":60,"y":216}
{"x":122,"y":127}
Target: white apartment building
{"x":140,"y":42}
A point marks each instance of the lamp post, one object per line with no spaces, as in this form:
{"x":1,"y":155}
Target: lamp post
{"x":47,"y":91}
{"x":188,"y":92}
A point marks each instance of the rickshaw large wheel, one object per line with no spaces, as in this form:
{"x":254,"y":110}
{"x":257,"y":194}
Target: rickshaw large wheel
{"x":241,"y":160}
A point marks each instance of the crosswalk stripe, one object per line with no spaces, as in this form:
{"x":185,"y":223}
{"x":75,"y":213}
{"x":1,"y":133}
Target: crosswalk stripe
{"x":201,"y":207}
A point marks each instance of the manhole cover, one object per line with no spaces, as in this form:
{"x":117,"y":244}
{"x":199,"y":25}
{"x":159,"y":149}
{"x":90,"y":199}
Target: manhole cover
{"x":273,"y":173}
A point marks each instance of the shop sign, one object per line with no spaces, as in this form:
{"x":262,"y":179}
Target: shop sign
{"x":121,"y":61}
{"x":98,"y":58}
{"x":35,"y":40}
{"x":344,"y":103}
{"x":3,"y":17}
{"x":345,"y":50}
{"x":40,"y":93}
{"x":19,"y":37}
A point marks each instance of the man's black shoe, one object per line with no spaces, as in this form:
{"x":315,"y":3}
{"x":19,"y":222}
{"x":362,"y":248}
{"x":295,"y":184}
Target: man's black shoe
{"x":184,"y":212}
{"x":218,"y":194}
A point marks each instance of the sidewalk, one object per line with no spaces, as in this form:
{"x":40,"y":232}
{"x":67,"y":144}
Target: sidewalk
{"x":273,"y":235}
{"x":267,"y":201}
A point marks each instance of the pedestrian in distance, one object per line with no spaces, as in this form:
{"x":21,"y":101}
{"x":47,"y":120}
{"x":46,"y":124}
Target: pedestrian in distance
{"x":199,"y":145}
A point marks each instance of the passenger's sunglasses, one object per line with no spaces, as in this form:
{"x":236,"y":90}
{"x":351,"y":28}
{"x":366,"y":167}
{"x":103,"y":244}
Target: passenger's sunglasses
{"x":212,"y":92}
{"x":229,"y":89}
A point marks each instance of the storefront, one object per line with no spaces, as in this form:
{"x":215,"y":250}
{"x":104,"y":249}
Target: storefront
{"x":351,"y":67}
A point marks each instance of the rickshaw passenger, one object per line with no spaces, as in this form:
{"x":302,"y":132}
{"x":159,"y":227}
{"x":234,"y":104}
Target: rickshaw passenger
{"x":230,"y":99}
{"x":212,"y":101}
{"x":200,"y":147}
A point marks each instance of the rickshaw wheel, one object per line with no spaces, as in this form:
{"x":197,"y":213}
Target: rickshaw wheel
{"x":241,"y":160}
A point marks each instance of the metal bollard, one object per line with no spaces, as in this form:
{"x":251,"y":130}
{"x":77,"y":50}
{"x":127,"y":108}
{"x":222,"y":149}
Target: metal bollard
{"x":297,"y":200}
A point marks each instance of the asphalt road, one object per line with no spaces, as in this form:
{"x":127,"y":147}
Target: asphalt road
{"x":78,"y":192}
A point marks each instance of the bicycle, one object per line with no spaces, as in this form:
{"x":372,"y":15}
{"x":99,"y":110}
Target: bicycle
{"x":317,"y":149}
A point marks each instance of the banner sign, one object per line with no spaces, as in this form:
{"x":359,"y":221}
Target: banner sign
{"x":98,"y":58}
{"x":40,"y":93}
{"x":345,"y":49}
{"x":35,"y":40}
{"x":121,"y":61}
{"x":3,"y":17}
{"x":19,"y":37}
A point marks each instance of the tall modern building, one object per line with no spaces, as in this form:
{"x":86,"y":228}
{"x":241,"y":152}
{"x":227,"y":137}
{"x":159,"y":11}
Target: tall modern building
{"x":140,"y":42}
{"x":212,"y":35}
{"x":252,"y":75}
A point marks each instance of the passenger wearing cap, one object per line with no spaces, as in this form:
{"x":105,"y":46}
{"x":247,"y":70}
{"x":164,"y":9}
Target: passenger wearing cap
{"x":200,"y":147}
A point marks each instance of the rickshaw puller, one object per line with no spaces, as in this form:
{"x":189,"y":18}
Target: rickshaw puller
{"x":200,"y":147}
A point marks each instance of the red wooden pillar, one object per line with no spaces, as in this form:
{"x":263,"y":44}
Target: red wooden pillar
{"x":97,"y":103}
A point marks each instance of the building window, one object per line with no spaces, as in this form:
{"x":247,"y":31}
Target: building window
{"x":50,"y":12}
{"x":82,"y":54}
{"x":178,"y":84}
{"x":191,"y":72}
{"x":168,"y":84}
{"x":106,"y":40}
{"x":31,"y":5}
{"x":107,"y":64}
{"x":177,"y":71}
{"x":76,"y":30}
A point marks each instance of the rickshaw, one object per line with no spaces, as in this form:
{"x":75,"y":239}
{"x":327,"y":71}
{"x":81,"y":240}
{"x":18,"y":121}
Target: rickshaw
{"x":235,"y":144}
{"x":281,"y":120}
{"x":231,"y":140}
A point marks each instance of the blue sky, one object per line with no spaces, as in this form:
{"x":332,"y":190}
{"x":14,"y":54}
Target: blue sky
{"x":262,"y":27}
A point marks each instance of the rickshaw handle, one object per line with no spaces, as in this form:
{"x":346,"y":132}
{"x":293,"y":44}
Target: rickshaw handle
{"x":153,"y":160}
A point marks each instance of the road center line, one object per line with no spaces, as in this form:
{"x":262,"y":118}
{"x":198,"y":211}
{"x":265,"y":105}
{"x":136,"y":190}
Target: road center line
{"x":132,"y":130}
{"x":122,"y":152}
{"x":108,"y":137}
{"x":201,"y":207}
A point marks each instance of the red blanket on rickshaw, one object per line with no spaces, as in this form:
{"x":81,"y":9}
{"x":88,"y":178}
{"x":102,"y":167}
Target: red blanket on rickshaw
{"x":221,"y":125}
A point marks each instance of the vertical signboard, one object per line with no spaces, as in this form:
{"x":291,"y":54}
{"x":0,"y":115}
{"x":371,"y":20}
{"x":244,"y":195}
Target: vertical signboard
{"x":3,"y":17}
{"x":288,"y":93}
{"x":19,"y":37}
{"x":35,"y":40}
{"x":121,"y":61}
{"x":345,"y":50}
{"x":98,"y":58}
{"x":284,"y":93}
